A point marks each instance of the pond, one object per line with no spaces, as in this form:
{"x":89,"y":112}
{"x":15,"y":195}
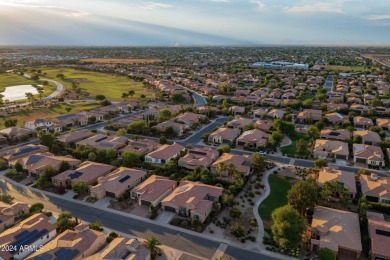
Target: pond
{"x":18,"y":92}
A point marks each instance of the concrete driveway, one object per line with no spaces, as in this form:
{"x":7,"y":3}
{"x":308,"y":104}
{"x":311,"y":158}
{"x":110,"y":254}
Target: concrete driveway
{"x":164,"y":217}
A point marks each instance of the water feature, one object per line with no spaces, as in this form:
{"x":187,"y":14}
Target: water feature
{"x":14,"y":93}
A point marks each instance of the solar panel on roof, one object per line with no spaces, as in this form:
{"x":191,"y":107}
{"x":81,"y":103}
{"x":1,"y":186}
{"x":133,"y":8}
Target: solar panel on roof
{"x":334,"y":133}
{"x":28,"y":238}
{"x":75,"y":175}
{"x":26,"y":150}
{"x":34,"y":158}
{"x":24,"y":232}
{"x":66,"y":253}
{"x":382,"y":232}
{"x":44,"y":256}
{"x":101,"y":139}
{"x":124,"y":179}
{"x":198,"y":152}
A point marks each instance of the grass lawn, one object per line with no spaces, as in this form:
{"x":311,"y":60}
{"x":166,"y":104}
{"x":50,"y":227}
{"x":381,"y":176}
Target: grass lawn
{"x":347,"y":68}
{"x":28,"y":115}
{"x":290,"y":149}
{"x":276,"y":199}
{"x":98,"y":83}
{"x":307,"y":96}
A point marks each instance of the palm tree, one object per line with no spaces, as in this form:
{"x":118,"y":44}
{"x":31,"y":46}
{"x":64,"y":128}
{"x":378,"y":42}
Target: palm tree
{"x":231,"y":170}
{"x":221,"y":167}
{"x":152,"y":244}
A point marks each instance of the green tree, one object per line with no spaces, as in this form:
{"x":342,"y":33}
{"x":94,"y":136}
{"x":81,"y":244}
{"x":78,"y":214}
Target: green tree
{"x":80,"y":188}
{"x":228,"y":199}
{"x":258,"y":163}
{"x":18,"y":167}
{"x":64,"y":221}
{"x":334,"y":189}
{"x":319,"y":163}
{"x":162,"y":140}
{"x":121,"y":132}
{"x":131,"y":93}
{"x":152,"y":244}
{"x":313,"y":132}
{"x":68,"y":109}
{"x":64,"y":166}
{"x":275,"y":139}
{"x":326,"y":254}
{"x":288,"y":227}
{"x":164,"y":115}
{"x":47,"y":139}
{"x":364,"y":205}
{"x":36,"y":208}
{"x":357,"y":139}
{"x":301,"y":147}
{"x":131,"y":159}
{"x":303,"y":195}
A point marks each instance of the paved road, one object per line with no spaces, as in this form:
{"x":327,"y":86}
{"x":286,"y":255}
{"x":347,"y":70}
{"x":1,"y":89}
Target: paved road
{"x":195,"y":138}
{"x":197,"y":245}
{"x":58,"y":91}
{"x":200,"y":101}
{"x":303,"y":163}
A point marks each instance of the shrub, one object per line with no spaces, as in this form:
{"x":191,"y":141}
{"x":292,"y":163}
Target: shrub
{"x":242,"y":240}
{"x":109,"y":239}
{"x":113,"y":234}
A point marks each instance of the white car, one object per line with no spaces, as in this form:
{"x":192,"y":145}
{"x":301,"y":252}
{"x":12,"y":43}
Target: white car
{"x":262,"y":153}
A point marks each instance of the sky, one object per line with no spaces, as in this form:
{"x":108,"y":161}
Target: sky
{"x":194,"y":22}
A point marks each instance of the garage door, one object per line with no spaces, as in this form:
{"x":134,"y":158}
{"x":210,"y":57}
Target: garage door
{"x":170,"y":209}
{"x":361,"y":160}
{"x":145,"y":203}
{"x":110,"y":194}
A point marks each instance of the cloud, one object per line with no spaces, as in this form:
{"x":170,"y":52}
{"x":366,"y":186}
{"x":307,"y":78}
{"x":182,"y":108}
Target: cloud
{"x":154,"y":6}
{"x":326,"y":6}
{"x":77,"y":14}
{"x":378,"y":17}
{"x":260,"y":6}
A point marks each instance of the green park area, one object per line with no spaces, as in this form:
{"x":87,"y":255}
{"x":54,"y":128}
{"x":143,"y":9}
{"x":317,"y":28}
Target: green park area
{"x":347,"y":68}
{"x":95,"y":83}
{"x":290,"y":150}
{"x":277,"y":198}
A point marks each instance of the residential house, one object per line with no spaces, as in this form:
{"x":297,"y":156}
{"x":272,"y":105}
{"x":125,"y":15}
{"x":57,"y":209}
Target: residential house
{"x":45,"y":125}
{"x":202,"y":157}
{"x":329,"y":174}
{"x":368,"y":137}
{"x":337,"y":119}
{"x":88,"y":172}
{"x":179,"y":129}
{"x":140,"y":146}
{"x":79,"y":243}
{"x":382,"y":110}
{"x":224,"y":135}
{"x":117,"y":183}
{"x":264,"y":125}
{"x":242,"y":163}
{"x":192,"y":199}
{"x":384,"y":123}
{"x":239,"y":123}
{"x":359,"y":108}
{"x":153,"y":190}
{"x":340,"y":134}
{"x":23,"y":151}
{"x":376,"y":188}
{"x":74,"y":137}
{"x":362,"y":122}
{"x":8,"y":213}
{"x":16,"y":134}
{"x":368,"y":154}
{"x":336,"y":230}
{"x":309,"y":116}
{"x":328,"y":148}
{"x":275,"y":113}
{"x":122,"y":248}
{"x":260,"y":112}
{"x":379,"y":233}
{"x":102,"y":141}
{"x":36,"y":164}
{"x":36,"y":231}
{"x":235,"y":110}
{"x":165,"y":153}
{"x":189,"y":118}
{"x":253,"y":139}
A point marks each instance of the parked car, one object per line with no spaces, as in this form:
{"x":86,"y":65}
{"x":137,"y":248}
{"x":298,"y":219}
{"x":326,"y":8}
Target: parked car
{"x":262,"y":153}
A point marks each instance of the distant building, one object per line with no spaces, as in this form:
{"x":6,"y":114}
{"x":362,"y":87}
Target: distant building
{"x":280,"y":65}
